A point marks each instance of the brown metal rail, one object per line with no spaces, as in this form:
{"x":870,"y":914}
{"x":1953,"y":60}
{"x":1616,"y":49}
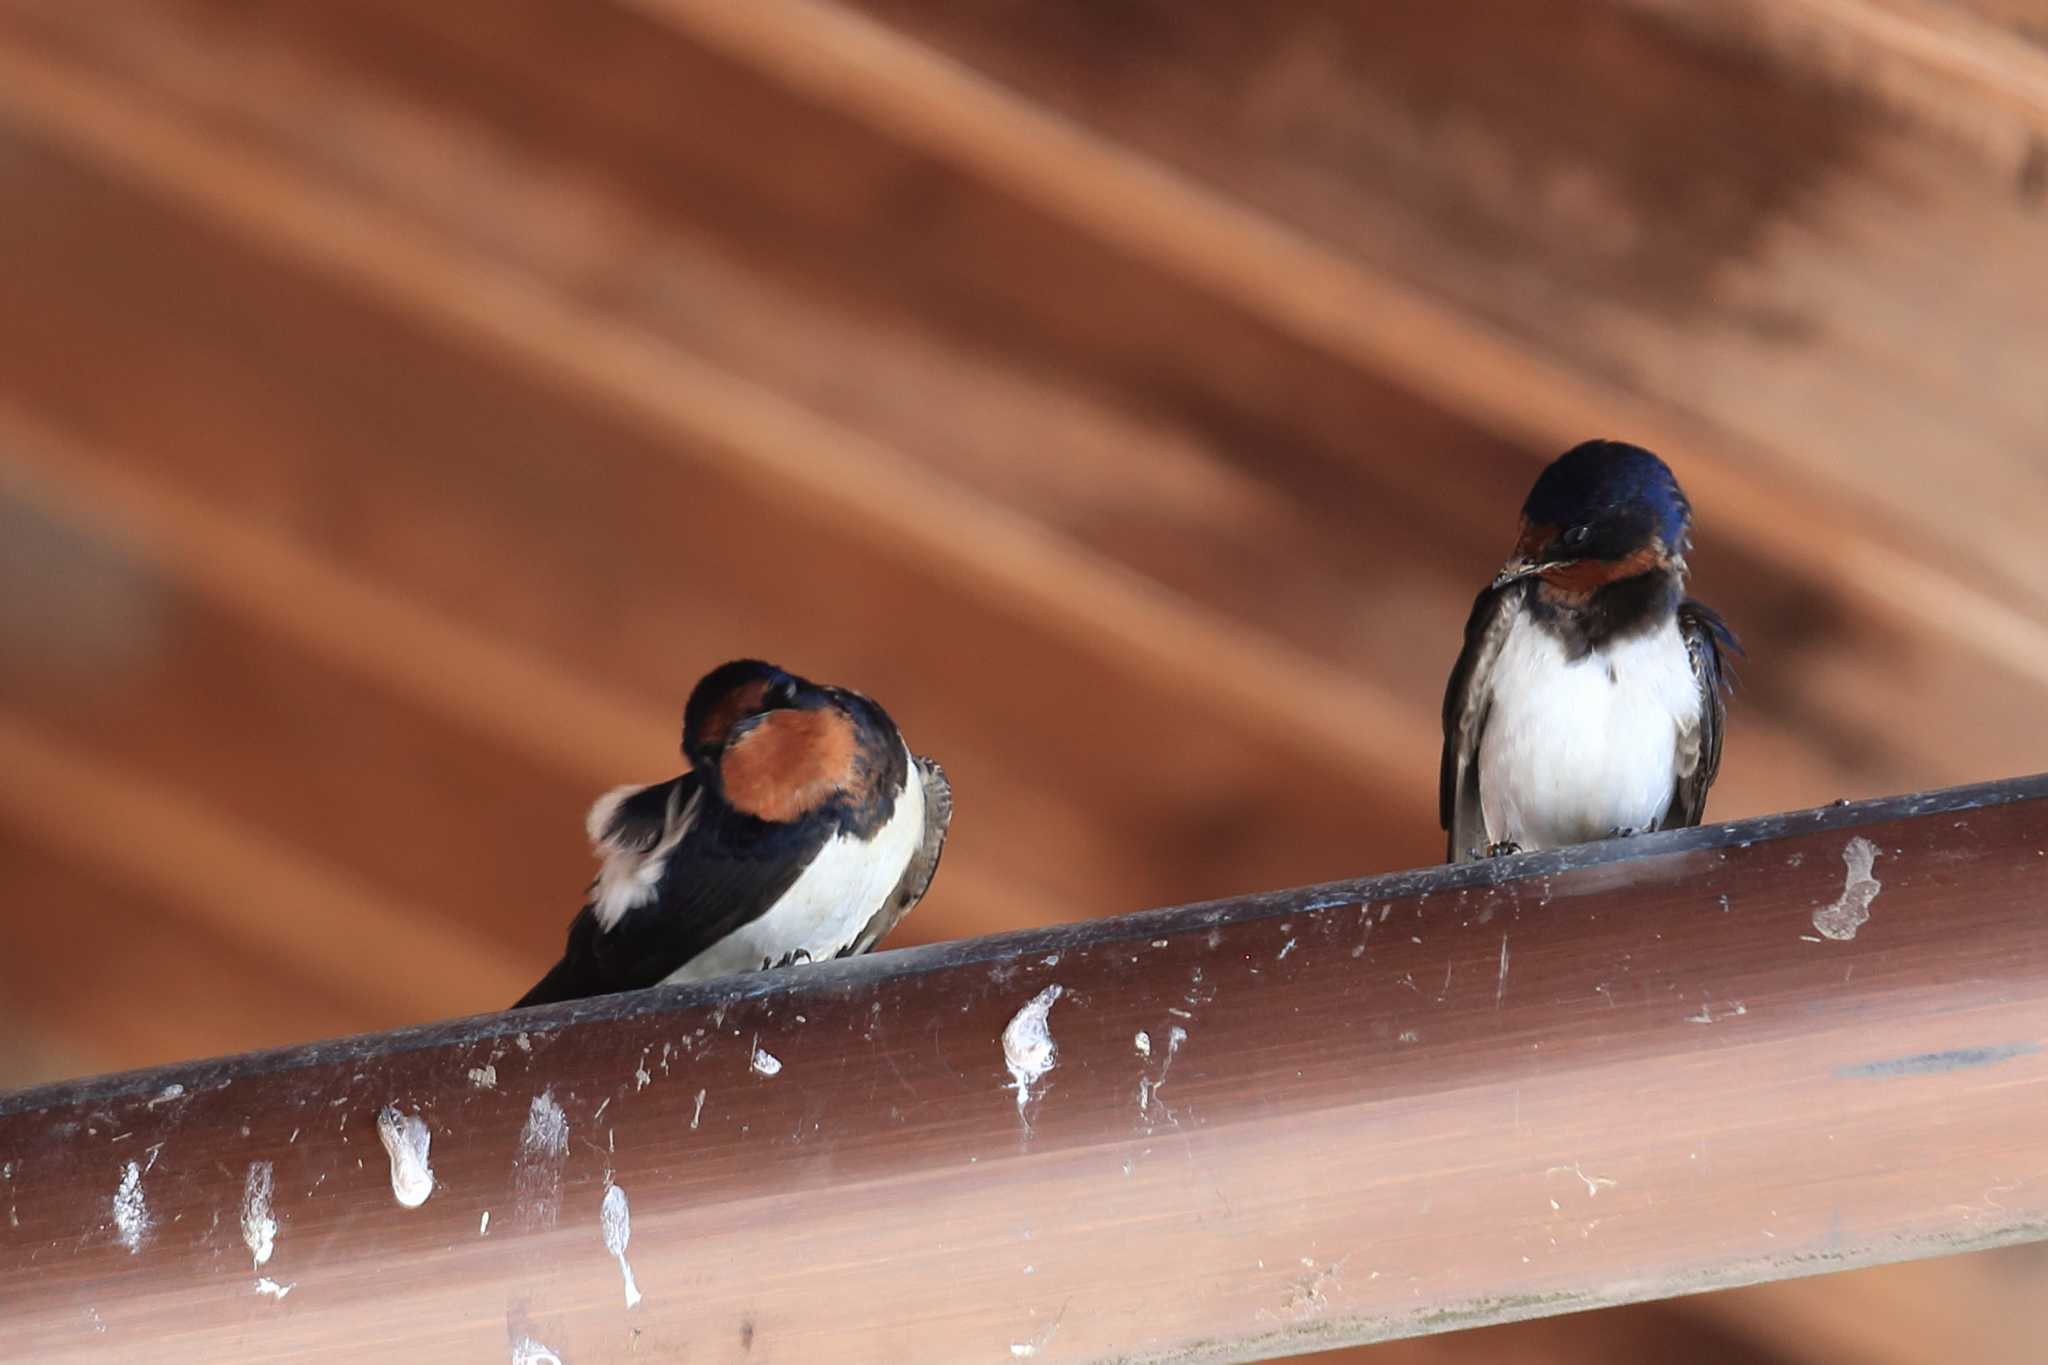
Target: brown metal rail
{"x":1406,"y":1104}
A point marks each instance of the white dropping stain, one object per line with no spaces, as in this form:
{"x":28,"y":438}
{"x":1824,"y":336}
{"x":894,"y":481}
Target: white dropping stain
{"x":523,"y":1043}
{"x":1708,"y":1016}
{"x":483,"y":1224}
{"x":259,"y":1229}
{"x":527,"y":1351}
{"x":131,"y":1213}
{"x":271,"y":1287}
{"x":484,"y":1077}
{"x":537,"y":1165}
{"x":547,"y":1128}
{"x":1023,"y":1350}
{"x":1028,"y":1048}
{"x":1851,"y":909}
{"x":1143,"y":1043}
{"x":406,"y":1139}
{"x":1500,"y":988}
{"x":617,"y":1219}
{"x":698,"y":1113}
{"x":171,"y":1092}
{"x":1285,"y":949}
{"x":1594,"y":1183}
{"x":765,"y":1063}
{"x":1310,"y":1296}
{"x":1148,"y":1089}
{"x":641,"y":1079}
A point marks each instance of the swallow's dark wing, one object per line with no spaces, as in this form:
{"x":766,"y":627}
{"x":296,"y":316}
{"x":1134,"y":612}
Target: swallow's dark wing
{"x":576,"y":976}
{"x":1466,"y":701}
{"x":729,"y":870}
{"x":712,"y":870}
{"x":633,"y":819}
{"x":1708,"y":643}
{"x":923,"y":865}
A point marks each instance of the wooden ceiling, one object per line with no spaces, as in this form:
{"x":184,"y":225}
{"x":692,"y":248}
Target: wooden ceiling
{"x":401,"y":405}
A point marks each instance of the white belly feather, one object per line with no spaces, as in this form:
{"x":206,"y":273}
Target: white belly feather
{"x":829,"y":905}
{"x":1575,"y":750}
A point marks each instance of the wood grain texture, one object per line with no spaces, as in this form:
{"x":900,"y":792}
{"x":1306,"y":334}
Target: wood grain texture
{"x":1365,"y":1110}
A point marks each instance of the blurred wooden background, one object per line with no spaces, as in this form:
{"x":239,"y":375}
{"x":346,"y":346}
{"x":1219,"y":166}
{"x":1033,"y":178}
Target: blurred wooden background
{"x":401,"y":404}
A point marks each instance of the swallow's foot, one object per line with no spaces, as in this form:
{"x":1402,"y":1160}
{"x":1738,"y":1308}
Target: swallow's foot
{"x":1501,"y":849}
{"x":1619,"y":833}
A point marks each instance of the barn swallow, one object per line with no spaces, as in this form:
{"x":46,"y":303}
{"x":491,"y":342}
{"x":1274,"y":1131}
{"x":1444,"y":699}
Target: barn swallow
{"x":804,"y":830}
{"x":1588,"y":701}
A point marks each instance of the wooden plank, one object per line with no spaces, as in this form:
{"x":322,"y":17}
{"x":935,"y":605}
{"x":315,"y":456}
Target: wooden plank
{"x":1327,"y":1136}
{"x":293,"y":752}
{"x":626,"y":535}
{"x":1626,"y":1335}
{"x":1983,"y":1307}
{"x":119,"y":977}
{"x":748,"y":438}
{"x":1256,"y":223}
{"x":1743,"y":279}
{"x":323,"y":919}
{"x":1351,"y":555}
{"x":1976,"y":71}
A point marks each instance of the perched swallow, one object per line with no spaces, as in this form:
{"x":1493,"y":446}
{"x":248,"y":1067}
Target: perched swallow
{"x":1588,"y":700}
{"x":804,"y":830}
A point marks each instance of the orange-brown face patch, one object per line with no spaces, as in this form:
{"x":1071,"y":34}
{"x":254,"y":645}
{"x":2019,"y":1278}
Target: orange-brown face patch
{"x":789,"y":764}
{"x":734,"y":707}
{"x":1536,"y":535}
{"x":1583,"y":577}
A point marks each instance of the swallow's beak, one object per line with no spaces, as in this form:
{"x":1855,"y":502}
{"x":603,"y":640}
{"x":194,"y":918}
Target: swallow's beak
{"x":1518,"y":568}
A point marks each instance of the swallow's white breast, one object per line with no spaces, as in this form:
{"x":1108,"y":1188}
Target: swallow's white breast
{"x":829,"y":905}
{"x":1574,"y":750}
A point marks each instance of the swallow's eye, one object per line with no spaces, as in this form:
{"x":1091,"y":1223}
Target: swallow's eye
{"x":1577,"y":537}
{"x":780,"y":695}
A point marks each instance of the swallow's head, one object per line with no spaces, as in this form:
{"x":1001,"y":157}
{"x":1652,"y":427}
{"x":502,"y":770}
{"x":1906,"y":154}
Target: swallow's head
{"x":726,"y":696}
{"x":1603,"y":511}
{"x":779,"y":747}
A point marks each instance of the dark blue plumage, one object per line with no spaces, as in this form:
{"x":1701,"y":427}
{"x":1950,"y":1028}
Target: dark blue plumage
{"x":1588,"y":698}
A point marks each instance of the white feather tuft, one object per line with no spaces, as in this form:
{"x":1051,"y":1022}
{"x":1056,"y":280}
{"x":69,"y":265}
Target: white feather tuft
{"x":628,"y":876}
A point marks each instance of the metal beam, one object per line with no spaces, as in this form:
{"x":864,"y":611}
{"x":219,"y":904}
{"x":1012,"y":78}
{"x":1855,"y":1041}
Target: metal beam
{"x":1405,"y":1104}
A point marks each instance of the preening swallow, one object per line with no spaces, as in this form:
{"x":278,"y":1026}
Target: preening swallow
{"x":1588,"y":701}
{"x":804,"y":830}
